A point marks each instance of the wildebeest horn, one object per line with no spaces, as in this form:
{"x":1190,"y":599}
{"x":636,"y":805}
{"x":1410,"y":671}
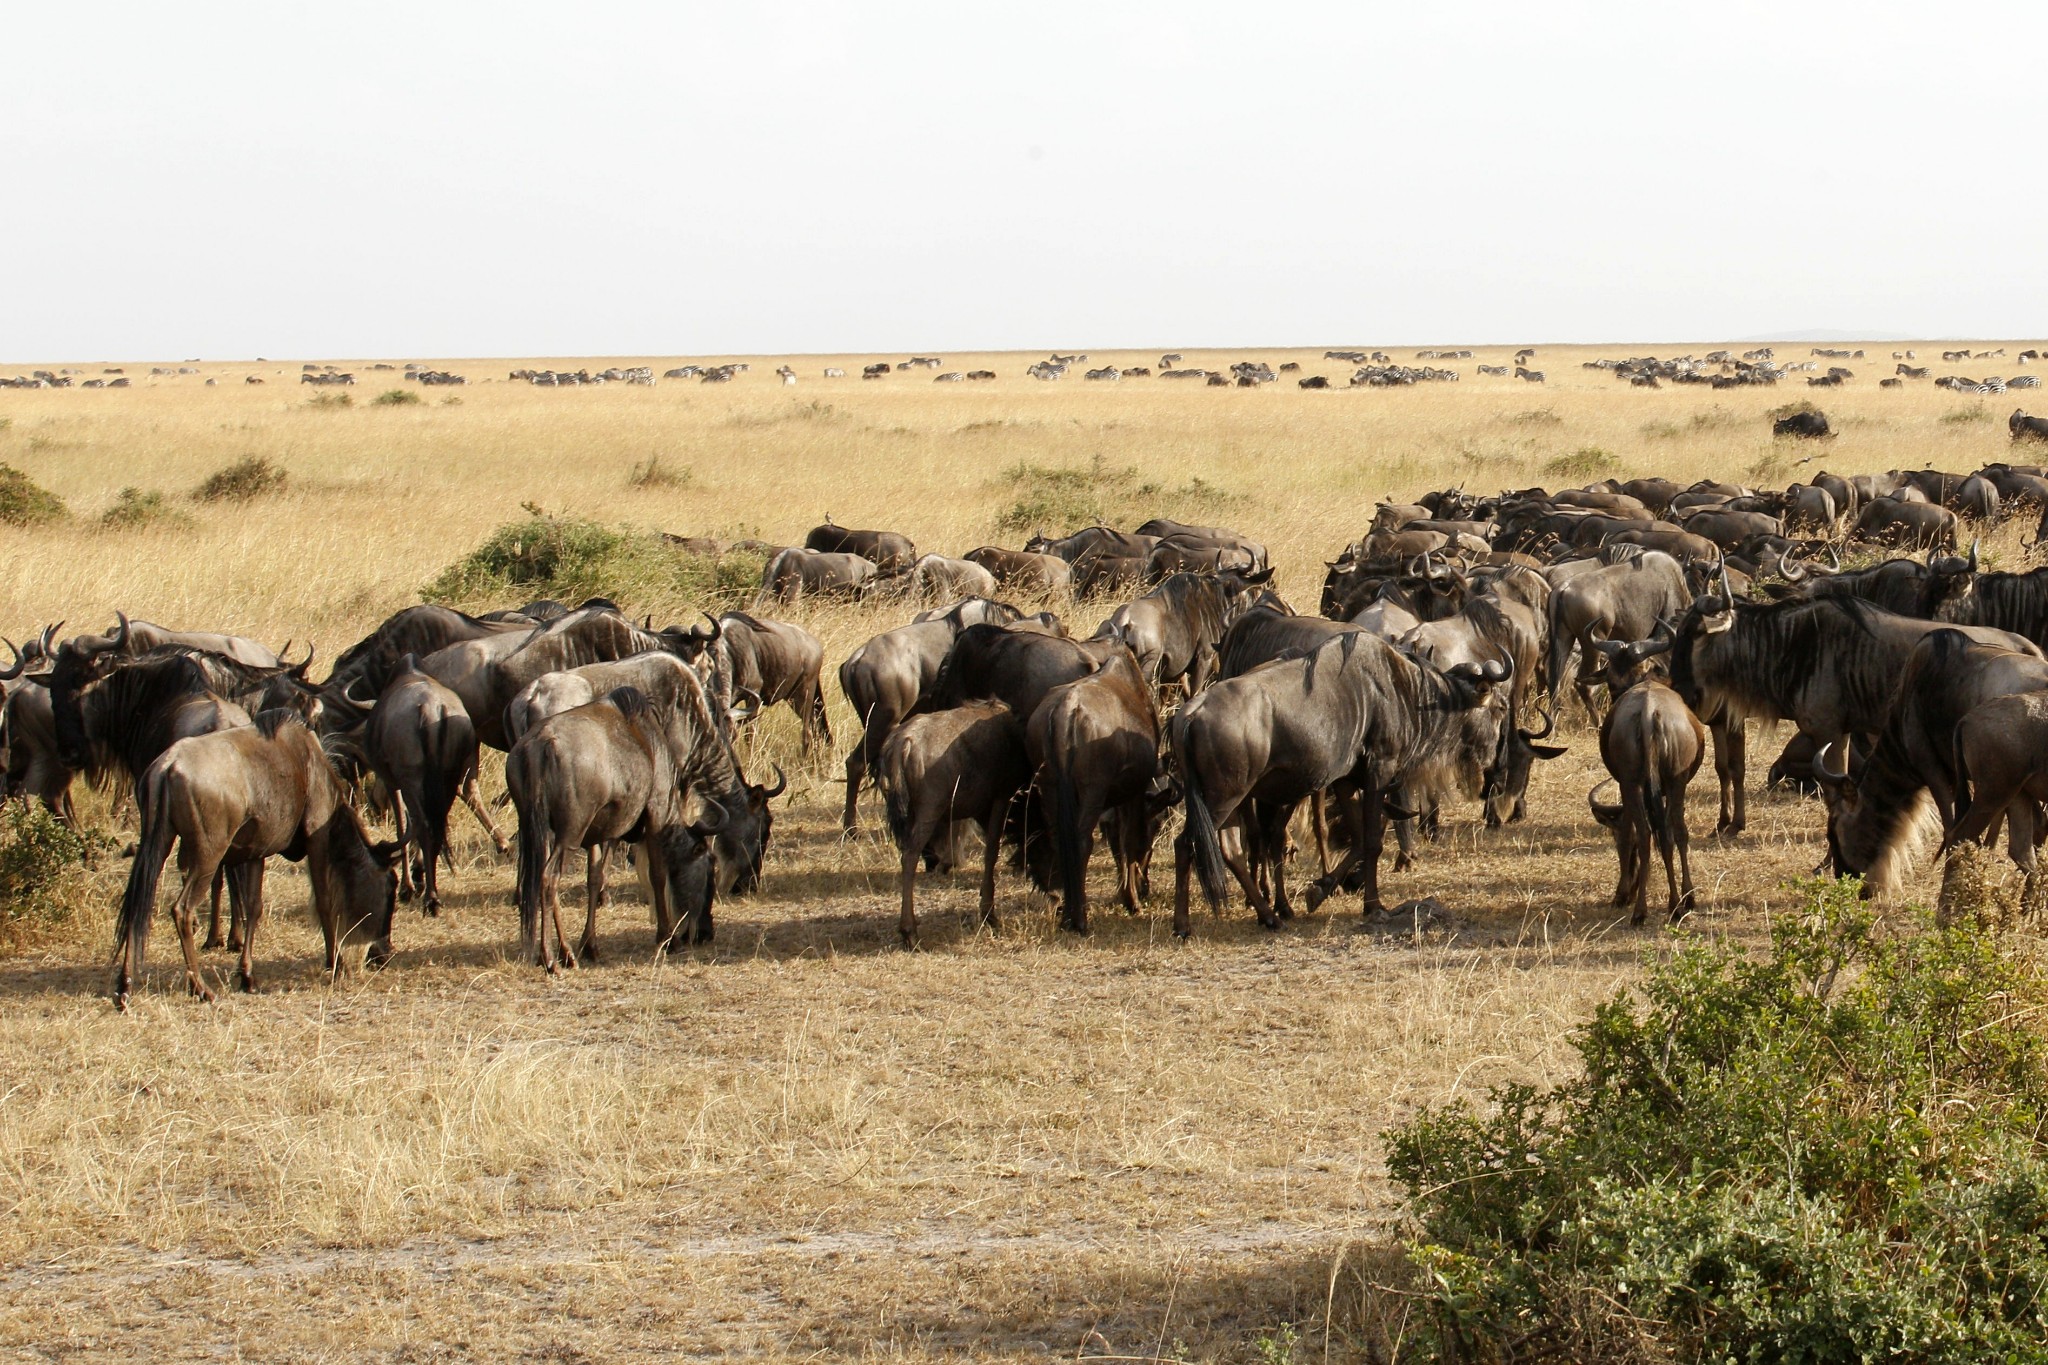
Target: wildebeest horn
{"x":699,"y":633}
{"x":50,"y":638}
{"x":1832,"y":781}
{"x":1789,"y":567}
{"x":781,"y":784}
{"x":1834,"y":559}
{"x":12,"y":671}
{"x":1499,"y":670}
{"x":1549,"y":724}
{"x":1727,"y":589}
{"x":1973,"y":555}
{"x":348,"y":694}
{"x":717,"y":818}
{"x":1594,"y":804}
{"x":121,"y":640}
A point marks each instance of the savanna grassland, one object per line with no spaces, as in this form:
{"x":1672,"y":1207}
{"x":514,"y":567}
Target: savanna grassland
{"x":802,"y":1140}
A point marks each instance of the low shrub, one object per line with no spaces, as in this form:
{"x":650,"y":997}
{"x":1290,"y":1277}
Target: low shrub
{"x":24,"y":502}
{"x":652,"y":473}
{"x":1587,"y":462}
{"x":136,"y":507}
{"x":1963,"y":417}
{"x":251,"y":477}
{"x":570,"y":559}
{"x":331,"y":400}
{"x":1833,"y":1152}
{"x":395,"y":398}
{"x":1534,"y":417}
{"x":1057,"y":500}
{"x":42,"y":867}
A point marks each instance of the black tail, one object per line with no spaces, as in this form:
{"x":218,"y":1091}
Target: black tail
{"x":1208,"y":846}
{"x":138,"y":902}
{"x":533,"y":858}
{"x":1962,"y":799}
{"x":896,"y":806}
{"x":448,"y":762}
{"x":1069,"y":837}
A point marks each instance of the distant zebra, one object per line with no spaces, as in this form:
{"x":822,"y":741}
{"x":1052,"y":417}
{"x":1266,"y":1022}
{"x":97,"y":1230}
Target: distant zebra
{"x":1992,"y":385}
{"x":2024,"y":381}
{"x":1530,"y":376}
{"x":1169,"y":360}
{"x":1500,"y":370}
{"x":1109,"y":372}
{"x":950,"y":377}
{"x":788,"y":375}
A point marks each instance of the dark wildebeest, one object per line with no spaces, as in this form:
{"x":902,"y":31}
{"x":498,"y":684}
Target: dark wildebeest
{"x":1095,"y":744}
{"x":792,"y":574}
{"x":2025,"y":428}
{"x":1108,"y":575}
{"x":1615,"y":602}
{"x":1811,"y":425}
{"x":1354,"y":710}
{"x":1892,"y":520}
{"x":1091,"y":542}
{"x":422,"y":746}
{"x":966,"y":763}
{"x":887,"y":678}
{"x":886,"y":550}
{"x":1023,"y":570}
{"x":1177,"y":554}
{"x":990,"y":663}
{"x":419,"y":631}
{"x":1652,"y":745}
{"x":29,"y":766}
{"x":936,"y":578}
{"x":621,"y":768}
{"x":1830,"y":666}
{"x":236,"y":797}
{"x":1954,"y":590}
{"x":140,"y":637}
{"x":487,"y":678}
{"x":1175,"y":628}
{"x":774,"y":662}
{"x":2001,"y":758}
{"x":1166,"y":529}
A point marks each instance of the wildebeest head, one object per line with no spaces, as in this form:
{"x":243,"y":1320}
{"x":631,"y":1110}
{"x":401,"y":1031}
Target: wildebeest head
{"x":361,"y":884}
{"x":77,"y":664}
{"x":1949,"y":585}
{"x":1506,"y":784}
{"x":754,"y":850}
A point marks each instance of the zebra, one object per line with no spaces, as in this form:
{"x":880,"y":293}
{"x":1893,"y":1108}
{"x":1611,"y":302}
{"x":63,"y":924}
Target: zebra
{"x":788,"y":375}
{"x":1500,"y":370}
{"x":2024,"y":381}
{"x":1169,"y":360}
{"x":1046,"y":369}
{"x":949,"y":377}
{"x":1992,"y":385}
{"x":834,"y":372}
{"x":1108,"y":372}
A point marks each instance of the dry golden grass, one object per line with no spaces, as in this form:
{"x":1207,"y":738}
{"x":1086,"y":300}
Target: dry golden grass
{"x":802,"y":1140}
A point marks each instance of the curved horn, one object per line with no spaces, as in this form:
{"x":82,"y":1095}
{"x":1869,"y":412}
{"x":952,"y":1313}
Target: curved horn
{"x":1499,"y":670}
{"x":1549,"y":723}
{"x":1423,"y":571}
{"x":348,"y":694}
{"x":1727,"y":589}
{"x":699,"y":633}
{"x":1973,"y":555}
{"x":781,"y":784}
{"x":50,"y":639}
{"x":302,"y":665}
{"x":716,"y":818}
{"x":1790,"y":569}
{"x":13,"y":670}
{"x":121,"y":640}
{"x":1834,"y":782}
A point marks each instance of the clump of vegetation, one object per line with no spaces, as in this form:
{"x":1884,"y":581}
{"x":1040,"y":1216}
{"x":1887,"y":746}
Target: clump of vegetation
{"x":1065,"y":498}
{"x":652,"y":473}
{"x":1587,"y":462}
{"x":1534,"y":417}
{"x":253,"y":476}
{"x":42,"y":867}
{"x":395,"y":398}
{"x":1962,"y":417}
{"x":331,"y":400}
{"x":24,"y":502}
{"x":1765,"y":467}
{"x":1662,"y":431}
{"x":812,"y":411}
{"x":1830,"y":1153}
{"x":570,"y":558}
{"x":1793,"y":409}
{"x":135,"y":507}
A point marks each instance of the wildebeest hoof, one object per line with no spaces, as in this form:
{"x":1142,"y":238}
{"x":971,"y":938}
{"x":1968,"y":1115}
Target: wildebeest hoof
{"x":202,"y":991}
{"x":212,"y":941}
{"x":1317,"y":893}
{"x":248,"y":983}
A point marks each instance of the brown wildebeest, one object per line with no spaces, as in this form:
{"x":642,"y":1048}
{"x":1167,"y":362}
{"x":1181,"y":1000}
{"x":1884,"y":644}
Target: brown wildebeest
{"x":792,"y":574}
{"x":1652,"y":745}
{"x":620,"y":768}
{"x":776,"y":662}
{"x":237,"y":797}
{"x":938,"y":578}
{"x":2001,"y":758}
{"x":1095,"y":744}
{"x":886,"y":550}
{"x":423,"y":748}
{"x":1175,"y":628}
{"x":1025,"y":571}
{"x":487,"y":678}
{"x":963,"y":764}
{"x":365,"y":666}
{"x":1221,"y":536}
{"x":1103,"y":575}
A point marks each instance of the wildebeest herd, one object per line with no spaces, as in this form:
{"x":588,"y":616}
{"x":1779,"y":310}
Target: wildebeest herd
{"x":1448,"y":636}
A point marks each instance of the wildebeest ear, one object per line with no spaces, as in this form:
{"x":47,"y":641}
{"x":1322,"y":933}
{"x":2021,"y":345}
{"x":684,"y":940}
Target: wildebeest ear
{"x":388,"y":852}
{"x":1714,"y":622}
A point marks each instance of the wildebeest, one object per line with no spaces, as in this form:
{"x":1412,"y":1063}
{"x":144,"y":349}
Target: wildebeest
{"x":239,"y":796}
{"x":1091,"y":542}
{"x":966,"y":763}
{"x":889,"y":552}
{"x":1095,"y":744}
{"x":792,"y":574}
{"x":936,"y":578}
{"x":1620,"y":602}
{"x":887,"y":678}
{"x":1354,"y":710}
{"x":1893,"y":520}
{"x":1810,"y":425}
{"x":1652,"y":745}
{"x":620,"y":768}
{"x":2025,"y":428}
{"x":777,"y":663}
{"x":1167,"y":529}
{"x":419,"y":631}
{"x":1175,"y":628}
{"x":487,"y":673}
{"x":2001,"y":759}
{"x":1024,"y":571}
{"x":423,"y":748}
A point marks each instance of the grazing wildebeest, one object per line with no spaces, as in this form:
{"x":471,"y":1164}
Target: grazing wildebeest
{"x":488,"y":673}
{"x":29,"y":765}
{"x":1652,"y":745}
{"x":1355,"y":711}
{"x":887,"y":678}
{"x":1093,"y":541}
{"x":1214,"y":535}
{"x":1615,"y":602}
{"x":1811,"y":425}
{"x":990,"y":663}
{"x":1829,"y":666}
{"x":2001,"y":760}
{"x":2025,"y":428}
{"x":1095,"y":744}
{"x":620,"y":768}
{"x":777,"y":663}
{"x":140,"y":637}
{"x":792,"y":574}
{"x":419,"y":631}
{"x":423,"y":748}
{"x":236,"y":797}
{"x":1894,"y":520}
{"x":936,"y":578}
{"x":1104,"y":575}
{"x":1024,"y":570}
{"x":889,"y":552}
{"x":966,"y":763}
{"x":1175,"y":628}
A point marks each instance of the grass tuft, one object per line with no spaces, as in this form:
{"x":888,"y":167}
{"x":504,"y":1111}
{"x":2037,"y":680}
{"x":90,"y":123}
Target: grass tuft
{"x":652,"y":473}
{"x":137,"y":507}
{"x":1963,"y":417}
{"x":1062,"y":499}
{"x":395,"y":398}
{"x":331,"y":400}
{"x":1587,"y":462}
{"x":24,"y":502}
{"x":253,"y":476}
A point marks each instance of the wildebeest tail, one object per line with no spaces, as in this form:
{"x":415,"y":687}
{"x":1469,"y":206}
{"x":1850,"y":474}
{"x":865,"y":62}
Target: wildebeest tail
{"x":533,"y":855}
{"x":1208,"y":844}
{"x":1069,"y":838}
{"x":1961,"y":798}
{"x":138,"y":902}
{"x":895,"y":788}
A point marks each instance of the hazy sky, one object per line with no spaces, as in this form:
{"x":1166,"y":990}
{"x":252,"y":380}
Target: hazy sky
{"x":228,"y":180}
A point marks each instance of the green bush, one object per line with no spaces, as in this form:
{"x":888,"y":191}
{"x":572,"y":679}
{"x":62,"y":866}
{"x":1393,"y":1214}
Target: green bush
{"x":1832,"y":1153}
{"x":1063,"y":499}
{"x":41,"y":865}
{"x":569,"y":559}
{"x":24,"y":502}
{"x":1962,"y":417}
{"x":250,"y":477}
{"x":331,"y":400}
{"x":136,"y":507}
{"x":395,"y":398}
{"x":652,"y":473}
{"x":1587,"y":462}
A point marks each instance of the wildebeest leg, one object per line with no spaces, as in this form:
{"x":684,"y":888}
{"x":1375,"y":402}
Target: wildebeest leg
{"x":1128,"y":845}
{"x":1635,"y":818}
{"x":594,"y":859}
{"x":1238,"y":860}
{"x":1374,"y":810}
{"x":551,"y":905}
{"x":1274,"y":818}
{"x":1729,"y":743}
{"x":856,"y":773}
{"x":469,"y":798}
{"x":923,"y":829}
{"x":245,"y":887}
{"x":817,"y":730}
{"x":991,"y":850}
{"x":198,"y":867}
{"x":653,"y":864}
{"x":1674,"y":820}
{"x":1319,"y":814}
{"x":220,"y":879}
{"x":408,"y":856}
{"x":1183,"y":864}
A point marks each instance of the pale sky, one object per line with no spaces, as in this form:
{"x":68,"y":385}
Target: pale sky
{"x":228,"y":180}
